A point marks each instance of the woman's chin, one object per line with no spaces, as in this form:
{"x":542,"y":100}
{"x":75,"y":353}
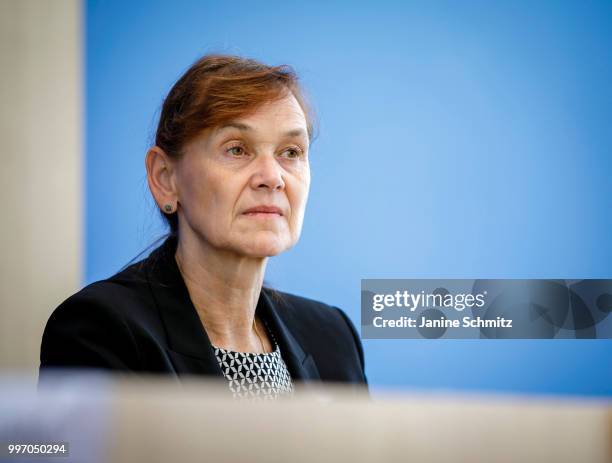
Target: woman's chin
{"x":265,"y":246}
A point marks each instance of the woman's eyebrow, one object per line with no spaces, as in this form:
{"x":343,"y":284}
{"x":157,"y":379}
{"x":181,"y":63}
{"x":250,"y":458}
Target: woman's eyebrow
{"x":235,"y":125}
{"x":247,"y":128}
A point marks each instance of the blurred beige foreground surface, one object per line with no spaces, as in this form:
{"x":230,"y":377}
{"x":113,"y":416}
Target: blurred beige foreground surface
{"x":163,"y":421}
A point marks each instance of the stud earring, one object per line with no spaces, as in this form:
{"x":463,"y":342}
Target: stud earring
{"x":168,"y":208}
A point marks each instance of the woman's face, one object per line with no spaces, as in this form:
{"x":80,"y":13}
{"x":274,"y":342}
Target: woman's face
{"x":243,"y":187}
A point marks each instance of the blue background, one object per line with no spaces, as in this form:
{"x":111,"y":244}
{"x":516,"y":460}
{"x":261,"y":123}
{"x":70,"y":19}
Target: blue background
{"x":457,"y":139}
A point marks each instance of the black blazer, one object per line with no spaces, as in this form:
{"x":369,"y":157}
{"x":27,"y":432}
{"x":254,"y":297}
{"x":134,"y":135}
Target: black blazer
{"x":142,"y":320}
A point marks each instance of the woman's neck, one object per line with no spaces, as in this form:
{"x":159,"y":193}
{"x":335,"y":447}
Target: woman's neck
{"x":224,"y":288}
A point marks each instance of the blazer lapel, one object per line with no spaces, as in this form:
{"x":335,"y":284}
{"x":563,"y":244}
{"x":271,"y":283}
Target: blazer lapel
{"x":189,"y":345}
{"x":300,"y":363}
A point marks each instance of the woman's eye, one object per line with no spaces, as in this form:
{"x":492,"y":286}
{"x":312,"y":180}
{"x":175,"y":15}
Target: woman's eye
{"x":237,"y":151}
{"x":292,"y":153}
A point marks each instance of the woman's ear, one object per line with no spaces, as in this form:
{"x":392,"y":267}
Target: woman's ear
{"x":161,"y":179}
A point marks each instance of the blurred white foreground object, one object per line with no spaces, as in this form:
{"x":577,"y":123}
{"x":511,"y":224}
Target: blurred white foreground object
{"x":149,"y":419}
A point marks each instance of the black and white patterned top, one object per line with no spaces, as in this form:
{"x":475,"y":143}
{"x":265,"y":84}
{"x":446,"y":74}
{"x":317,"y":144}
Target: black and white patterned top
{"x":255,"y":376}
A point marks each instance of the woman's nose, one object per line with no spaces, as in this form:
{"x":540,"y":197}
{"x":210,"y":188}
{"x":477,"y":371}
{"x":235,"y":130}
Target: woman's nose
{"x":267,"y":174}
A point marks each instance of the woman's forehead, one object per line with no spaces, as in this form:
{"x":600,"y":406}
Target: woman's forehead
{"x":284,"y":116}
{"x":249,"y":128}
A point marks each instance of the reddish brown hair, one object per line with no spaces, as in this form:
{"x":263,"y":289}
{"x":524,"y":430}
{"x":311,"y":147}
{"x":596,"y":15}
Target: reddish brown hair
{"x":215,"y":90}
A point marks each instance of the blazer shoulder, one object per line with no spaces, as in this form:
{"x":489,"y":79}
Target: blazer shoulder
{"x":333,"y":327}
{"x":92,"y":327}
{"x":103,"y":296}
{"x":305,"y":309}
{"x":118,"y":295}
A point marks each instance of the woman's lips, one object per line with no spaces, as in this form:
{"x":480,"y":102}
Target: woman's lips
{"x":262,"y":214}
{"x":264,"y":211}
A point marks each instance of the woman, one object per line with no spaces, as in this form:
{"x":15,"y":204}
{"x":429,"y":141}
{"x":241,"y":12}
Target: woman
{"x":230,"y":173}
